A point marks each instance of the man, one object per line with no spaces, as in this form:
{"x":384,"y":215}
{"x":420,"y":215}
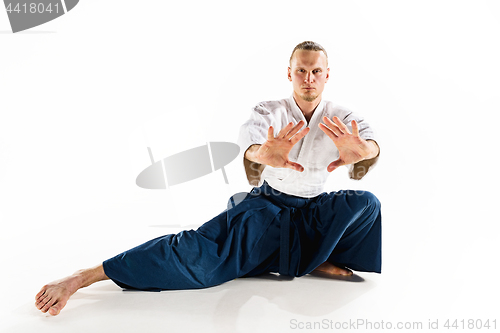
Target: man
{"x":286,"y":224}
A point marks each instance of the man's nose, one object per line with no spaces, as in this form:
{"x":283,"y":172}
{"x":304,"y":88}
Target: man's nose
{"x":309,"y":77}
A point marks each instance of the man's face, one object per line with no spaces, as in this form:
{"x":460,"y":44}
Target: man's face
{"x":308,"y":74}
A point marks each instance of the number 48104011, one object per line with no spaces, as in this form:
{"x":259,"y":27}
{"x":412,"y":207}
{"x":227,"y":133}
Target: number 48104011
{"x":32,"y":8}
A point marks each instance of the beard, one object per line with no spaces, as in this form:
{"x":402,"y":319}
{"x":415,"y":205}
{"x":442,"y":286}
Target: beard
{"x":308,"y":98}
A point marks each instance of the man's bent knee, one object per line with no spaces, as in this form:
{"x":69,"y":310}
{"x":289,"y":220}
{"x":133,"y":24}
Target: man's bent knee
{"x":371,"y":199}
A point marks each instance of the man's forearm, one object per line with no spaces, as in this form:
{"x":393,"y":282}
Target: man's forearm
{"x":251,"y":153}
{"x":360,"y":169}
{"x":375,"y":150}
{"x":253,"y":169}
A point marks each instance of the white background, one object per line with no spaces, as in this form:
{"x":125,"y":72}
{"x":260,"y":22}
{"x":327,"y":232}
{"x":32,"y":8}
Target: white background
{"x":83,"y":96}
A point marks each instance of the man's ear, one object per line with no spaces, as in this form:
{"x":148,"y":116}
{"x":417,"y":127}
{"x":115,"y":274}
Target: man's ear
{"x":327,"y":73}
{"x":289,"y":74}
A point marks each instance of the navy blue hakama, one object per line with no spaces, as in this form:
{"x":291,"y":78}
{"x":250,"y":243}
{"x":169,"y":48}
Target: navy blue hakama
{"x":268,"y":231}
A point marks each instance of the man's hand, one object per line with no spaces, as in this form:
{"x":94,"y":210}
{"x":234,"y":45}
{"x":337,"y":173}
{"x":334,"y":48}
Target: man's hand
{"x":274,"y":152}
{"x":352,"y":148}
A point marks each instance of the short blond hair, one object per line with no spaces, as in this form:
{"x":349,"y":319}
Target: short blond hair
{"x":309,"y":46}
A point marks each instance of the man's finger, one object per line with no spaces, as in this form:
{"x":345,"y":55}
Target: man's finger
{"x":341,"y":125}
{"x":284,"y":131}
{"x":355,"y":129}
{"x":328,"y":131}
{"x":294,"y":130}
{"x":270,"y":133}
{"x":296,"y":138}
{"x":332,"y":126}
{"x":294,"y":166}
{"x":334,"y":165}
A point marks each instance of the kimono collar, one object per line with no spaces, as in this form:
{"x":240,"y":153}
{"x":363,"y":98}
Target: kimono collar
{"x":298,"y":113}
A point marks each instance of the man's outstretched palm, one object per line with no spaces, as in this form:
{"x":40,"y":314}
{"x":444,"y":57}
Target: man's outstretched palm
{"x":352,"y":148}
{"x":274,"y":152}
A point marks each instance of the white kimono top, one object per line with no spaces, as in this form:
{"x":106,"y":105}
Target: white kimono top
{"x":314,"y":152}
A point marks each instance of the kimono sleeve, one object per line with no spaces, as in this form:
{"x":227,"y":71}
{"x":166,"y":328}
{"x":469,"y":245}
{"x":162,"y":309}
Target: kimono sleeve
{"x":254,"y":130}
{"x":365,"y":131}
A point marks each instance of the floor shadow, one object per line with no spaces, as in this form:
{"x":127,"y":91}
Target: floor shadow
{"x":351,"y":278}
{"x":220,"y":309}
{"x":272,"y":277}
{"x":310,"y":295}
{"x":320,"y":275}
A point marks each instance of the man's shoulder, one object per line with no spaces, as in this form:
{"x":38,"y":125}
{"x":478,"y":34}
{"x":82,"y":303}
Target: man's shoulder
{"x":272,"y":106}
{"x":333,"y":109}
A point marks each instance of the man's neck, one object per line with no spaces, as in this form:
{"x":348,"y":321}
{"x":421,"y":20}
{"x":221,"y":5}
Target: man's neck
{"x":307,"y":108}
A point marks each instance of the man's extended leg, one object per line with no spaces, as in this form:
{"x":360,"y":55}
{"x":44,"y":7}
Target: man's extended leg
{"x":53,"y":296}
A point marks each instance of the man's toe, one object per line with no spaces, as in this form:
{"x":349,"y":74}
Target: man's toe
{"x":54,"y":311}
{"x":56,"y":308}
{"x":41,"y":293}
{"x":47,"y":306}
{"x":41,"y":303}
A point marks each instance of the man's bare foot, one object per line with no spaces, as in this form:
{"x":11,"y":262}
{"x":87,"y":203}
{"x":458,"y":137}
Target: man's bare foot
{"x":53,"y":297}
{"x":331,"y":269}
